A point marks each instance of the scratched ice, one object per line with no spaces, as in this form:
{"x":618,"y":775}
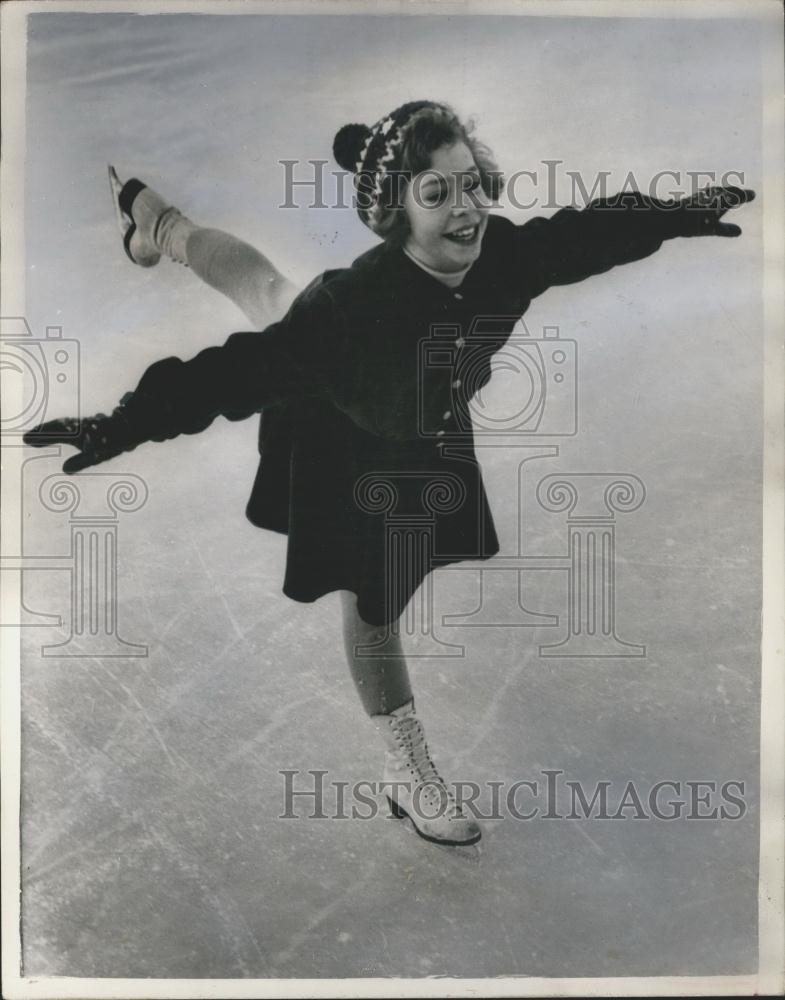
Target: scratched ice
{"x":152,"y":844}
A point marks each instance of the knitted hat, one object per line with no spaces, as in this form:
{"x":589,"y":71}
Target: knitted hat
{"x":374,"y":156}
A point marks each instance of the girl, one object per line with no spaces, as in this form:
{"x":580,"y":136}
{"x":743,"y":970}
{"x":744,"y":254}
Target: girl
{"x":355,"y":423}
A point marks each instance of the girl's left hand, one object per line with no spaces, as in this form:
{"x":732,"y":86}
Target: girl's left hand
{"x":700,"y":214}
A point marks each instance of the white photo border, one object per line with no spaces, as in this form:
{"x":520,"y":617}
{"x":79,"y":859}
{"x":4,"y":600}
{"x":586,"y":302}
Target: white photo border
{"x":770,"y":978}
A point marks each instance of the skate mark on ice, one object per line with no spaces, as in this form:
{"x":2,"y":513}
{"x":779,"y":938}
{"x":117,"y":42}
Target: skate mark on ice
{"x":299,"y":939}
{"x":279,"y":720}
{"x":154,"y":729}
{"x":85,"y":846}
{"x":485,"y":725}
{"x":595,"y":845}
{"x":234,"y":926}
{"x":216,"y":589}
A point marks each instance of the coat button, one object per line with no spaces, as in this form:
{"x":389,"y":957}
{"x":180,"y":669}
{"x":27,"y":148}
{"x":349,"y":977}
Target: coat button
{"x":439,"y":434}
{"x":460,"y":342}
{"x":456,"y":384}
{"x":446,"y":415}
{"x":458,"y":295}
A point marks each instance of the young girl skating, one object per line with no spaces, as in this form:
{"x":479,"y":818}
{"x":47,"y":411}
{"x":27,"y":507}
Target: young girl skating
{"x":352,"y":423}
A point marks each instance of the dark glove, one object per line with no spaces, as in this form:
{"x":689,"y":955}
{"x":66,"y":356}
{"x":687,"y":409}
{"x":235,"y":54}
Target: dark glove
{"x":700,"y":214}
{"x":98,"y":438}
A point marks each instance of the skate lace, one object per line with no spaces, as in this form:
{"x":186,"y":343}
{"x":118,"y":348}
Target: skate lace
{"x":410,"y":737}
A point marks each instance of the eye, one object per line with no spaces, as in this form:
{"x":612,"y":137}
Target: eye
{"x":435,"y":196}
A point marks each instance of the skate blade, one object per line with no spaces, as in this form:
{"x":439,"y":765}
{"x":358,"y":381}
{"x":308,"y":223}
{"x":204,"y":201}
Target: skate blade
{"x":467,"y":852}
{"x":115,"y":187}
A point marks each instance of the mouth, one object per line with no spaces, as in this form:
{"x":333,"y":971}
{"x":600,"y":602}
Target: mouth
{"x":464,"y":236}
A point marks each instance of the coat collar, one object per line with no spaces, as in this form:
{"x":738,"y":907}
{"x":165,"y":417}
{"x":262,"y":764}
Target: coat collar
{"x":419,"y":279}
{"x":396,"y":270}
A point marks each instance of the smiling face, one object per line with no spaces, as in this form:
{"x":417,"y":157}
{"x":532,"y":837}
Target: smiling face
{"x":447,"y":210}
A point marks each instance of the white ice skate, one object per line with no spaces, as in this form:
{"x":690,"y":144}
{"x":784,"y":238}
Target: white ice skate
{"x":414,"y":787}
{"x":136,"y":219}
{"x":147,"y":222}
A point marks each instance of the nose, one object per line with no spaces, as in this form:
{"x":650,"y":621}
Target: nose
{"x":472,"y":204}
{"x":481,"y":200}
{"x":468,"y":213}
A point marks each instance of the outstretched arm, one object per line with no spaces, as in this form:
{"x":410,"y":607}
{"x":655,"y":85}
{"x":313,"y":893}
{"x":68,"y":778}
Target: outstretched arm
{"x":299,"y":356}
{"x":573,"y":245}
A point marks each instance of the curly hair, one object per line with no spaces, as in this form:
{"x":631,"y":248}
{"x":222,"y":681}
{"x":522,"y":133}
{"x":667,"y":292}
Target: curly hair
{"x":426,"y":131}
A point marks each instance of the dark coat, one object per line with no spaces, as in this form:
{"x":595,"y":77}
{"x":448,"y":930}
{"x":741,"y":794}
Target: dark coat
{"x":367,"y":451}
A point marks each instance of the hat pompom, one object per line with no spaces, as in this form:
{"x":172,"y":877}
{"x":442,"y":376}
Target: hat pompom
{"x":348,"y":142}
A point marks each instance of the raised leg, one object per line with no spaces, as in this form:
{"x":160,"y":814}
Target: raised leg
{"x":241,"y":273}
{"x":152,"y":227}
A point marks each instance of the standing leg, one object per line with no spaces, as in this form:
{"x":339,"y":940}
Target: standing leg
{"x":412,"y":784}
{"x":381,"y":681}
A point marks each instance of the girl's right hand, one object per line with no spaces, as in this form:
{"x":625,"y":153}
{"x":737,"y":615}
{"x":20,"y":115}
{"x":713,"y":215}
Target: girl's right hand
{"x":97,"y":438}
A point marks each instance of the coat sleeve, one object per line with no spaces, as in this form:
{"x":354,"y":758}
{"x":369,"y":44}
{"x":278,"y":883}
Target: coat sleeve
{"x":572,"y":245}
{"x":302,"y":355}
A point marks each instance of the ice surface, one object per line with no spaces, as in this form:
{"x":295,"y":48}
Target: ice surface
{"x":151,"y":794}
